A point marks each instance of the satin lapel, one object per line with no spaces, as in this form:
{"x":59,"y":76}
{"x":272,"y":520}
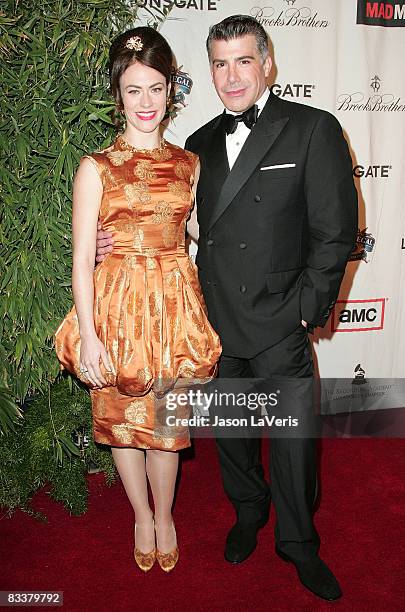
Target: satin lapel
{"x":216,"y":156}
{"x":259,"y":141}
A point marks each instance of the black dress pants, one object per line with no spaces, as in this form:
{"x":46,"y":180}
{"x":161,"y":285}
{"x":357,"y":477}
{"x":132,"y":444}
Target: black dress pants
{"x":293,"y":470}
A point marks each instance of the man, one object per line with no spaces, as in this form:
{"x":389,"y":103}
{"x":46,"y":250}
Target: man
{"x":277,"y":212}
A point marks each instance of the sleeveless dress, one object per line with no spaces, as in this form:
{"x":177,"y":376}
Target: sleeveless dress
{"x":149,"y":311}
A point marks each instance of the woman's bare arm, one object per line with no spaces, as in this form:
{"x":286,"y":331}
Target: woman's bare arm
{"x":87,"y":194}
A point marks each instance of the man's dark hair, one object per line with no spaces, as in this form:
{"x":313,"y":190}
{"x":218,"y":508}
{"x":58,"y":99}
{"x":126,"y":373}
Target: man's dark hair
{"x":235,"y":27}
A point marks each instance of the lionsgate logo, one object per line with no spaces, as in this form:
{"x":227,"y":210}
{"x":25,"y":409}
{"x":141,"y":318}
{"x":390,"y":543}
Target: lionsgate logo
{"x":166,"y":5}
{"x":387,"y":14}
{"x":372,"y":171}
{"x":289,"y":14}
{"x":293,"y":90}
{"x":358,"y":315}
{"x":376,"y":101}
{"x":364,"y":246}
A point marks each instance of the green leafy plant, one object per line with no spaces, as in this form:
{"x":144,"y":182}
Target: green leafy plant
{"x":54,"y":108}
{"x":40,"y":451}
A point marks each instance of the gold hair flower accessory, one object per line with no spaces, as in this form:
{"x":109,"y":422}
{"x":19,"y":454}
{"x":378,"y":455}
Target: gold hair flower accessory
{"x":134,"y":43}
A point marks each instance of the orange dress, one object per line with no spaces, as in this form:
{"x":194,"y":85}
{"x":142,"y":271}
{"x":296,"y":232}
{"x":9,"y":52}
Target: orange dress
{"x":148,"y":307}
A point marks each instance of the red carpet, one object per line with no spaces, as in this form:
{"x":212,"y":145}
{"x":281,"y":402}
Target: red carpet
{"x":360,"y":520}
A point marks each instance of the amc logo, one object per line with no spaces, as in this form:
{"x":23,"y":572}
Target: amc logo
{"x":358,"y":315}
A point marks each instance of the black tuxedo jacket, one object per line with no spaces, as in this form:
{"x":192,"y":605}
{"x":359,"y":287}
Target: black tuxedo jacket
{"x":275,"y":231}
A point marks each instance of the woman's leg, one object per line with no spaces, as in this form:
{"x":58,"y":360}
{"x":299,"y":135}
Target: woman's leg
{"x":161,"y":468}
{"x":130,"y":463}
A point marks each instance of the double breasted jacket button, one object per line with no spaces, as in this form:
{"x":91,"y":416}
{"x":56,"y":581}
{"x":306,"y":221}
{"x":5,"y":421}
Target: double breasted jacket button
{"x":243,"y":288}
{"x":257,"y":198}
{"x":210,"y":242}
{"x":243,"y":245}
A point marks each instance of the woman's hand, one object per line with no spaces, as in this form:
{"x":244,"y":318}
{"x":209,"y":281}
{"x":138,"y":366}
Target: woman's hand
{"x":92,"y":352}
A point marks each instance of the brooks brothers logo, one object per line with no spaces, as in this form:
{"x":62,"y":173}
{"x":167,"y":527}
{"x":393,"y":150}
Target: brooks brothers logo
{"x":364,"y":245}
{"x":290,"y":13}
{"x":358,"y":315}
{"x":293,"y":90}
{"x":182,"y":84}
{"x":375,"y":101}
{"x":372,"y":171}
{"x":166,"y":5}
{"x":389,"y":14}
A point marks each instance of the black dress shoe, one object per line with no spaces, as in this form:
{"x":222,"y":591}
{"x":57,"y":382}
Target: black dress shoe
{"x":241,"y":541}
{"x":316,"y":576}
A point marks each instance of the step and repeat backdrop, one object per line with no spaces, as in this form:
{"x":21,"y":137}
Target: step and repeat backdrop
{"x":347,"y":57}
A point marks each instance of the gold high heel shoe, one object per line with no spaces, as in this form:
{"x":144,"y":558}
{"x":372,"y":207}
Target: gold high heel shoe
{"x":167,"y":561}
{"x":145,"y":560}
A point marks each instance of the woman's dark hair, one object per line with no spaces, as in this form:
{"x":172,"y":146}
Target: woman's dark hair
{"x":144,"y":45}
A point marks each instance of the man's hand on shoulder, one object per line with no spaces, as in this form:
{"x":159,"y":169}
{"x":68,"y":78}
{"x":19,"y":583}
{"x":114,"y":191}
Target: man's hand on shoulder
{"x":104,"y":243}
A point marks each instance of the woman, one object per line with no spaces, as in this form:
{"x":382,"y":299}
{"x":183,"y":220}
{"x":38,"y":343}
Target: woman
{"x":139,"y":322}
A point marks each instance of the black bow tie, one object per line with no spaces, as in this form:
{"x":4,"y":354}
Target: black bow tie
{"x":249,"y":118}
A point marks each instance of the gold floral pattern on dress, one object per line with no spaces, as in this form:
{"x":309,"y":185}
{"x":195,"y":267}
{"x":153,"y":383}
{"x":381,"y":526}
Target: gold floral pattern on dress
{"x":102,"y":439}
{"x":138,"y":326}
{"x":127,"y":351}
{"x":137,"y":192}
{"x":143,"y":375}
{"x":114,"y":348}
{"x":109,"y":280}
{"x":126,"y":224}
{"x":155,"y":304}
{"x":195,"y":346}
{"x":109,"y":181}
{"x":197,"y":322}
{"x":161,"y":154}
{"x":174,"y":324}
{"x":182,"y":169}
{"x":134,"y":304}
{"x":169,"y":235}
{"x":144,"y":170}
{"x":172,"y":278}
{"x":131,"y":261}
{"x":122,"y":433}
{"x":117,"y":158}
{"x":99,"y":406}
{"x":162,"y":213}
{"x":138,"y":239}
{"x":162,"y":435}
{"x":181,"y":189}
{"x":151,"y":252}
{"x":187,"y":369}
{"x":98,"y":305}
{"x":157,"y":331}
{"x":135,"y":412}
{"x":171,"y":305}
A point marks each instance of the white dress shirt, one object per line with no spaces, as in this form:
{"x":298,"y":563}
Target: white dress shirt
{"x":235,"y":141}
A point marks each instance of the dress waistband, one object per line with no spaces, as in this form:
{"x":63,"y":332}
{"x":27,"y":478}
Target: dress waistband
{"x":148,"y":252}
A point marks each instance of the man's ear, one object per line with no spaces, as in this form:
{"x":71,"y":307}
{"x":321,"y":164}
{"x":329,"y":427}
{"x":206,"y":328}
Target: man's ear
{"x":267,"y":66}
